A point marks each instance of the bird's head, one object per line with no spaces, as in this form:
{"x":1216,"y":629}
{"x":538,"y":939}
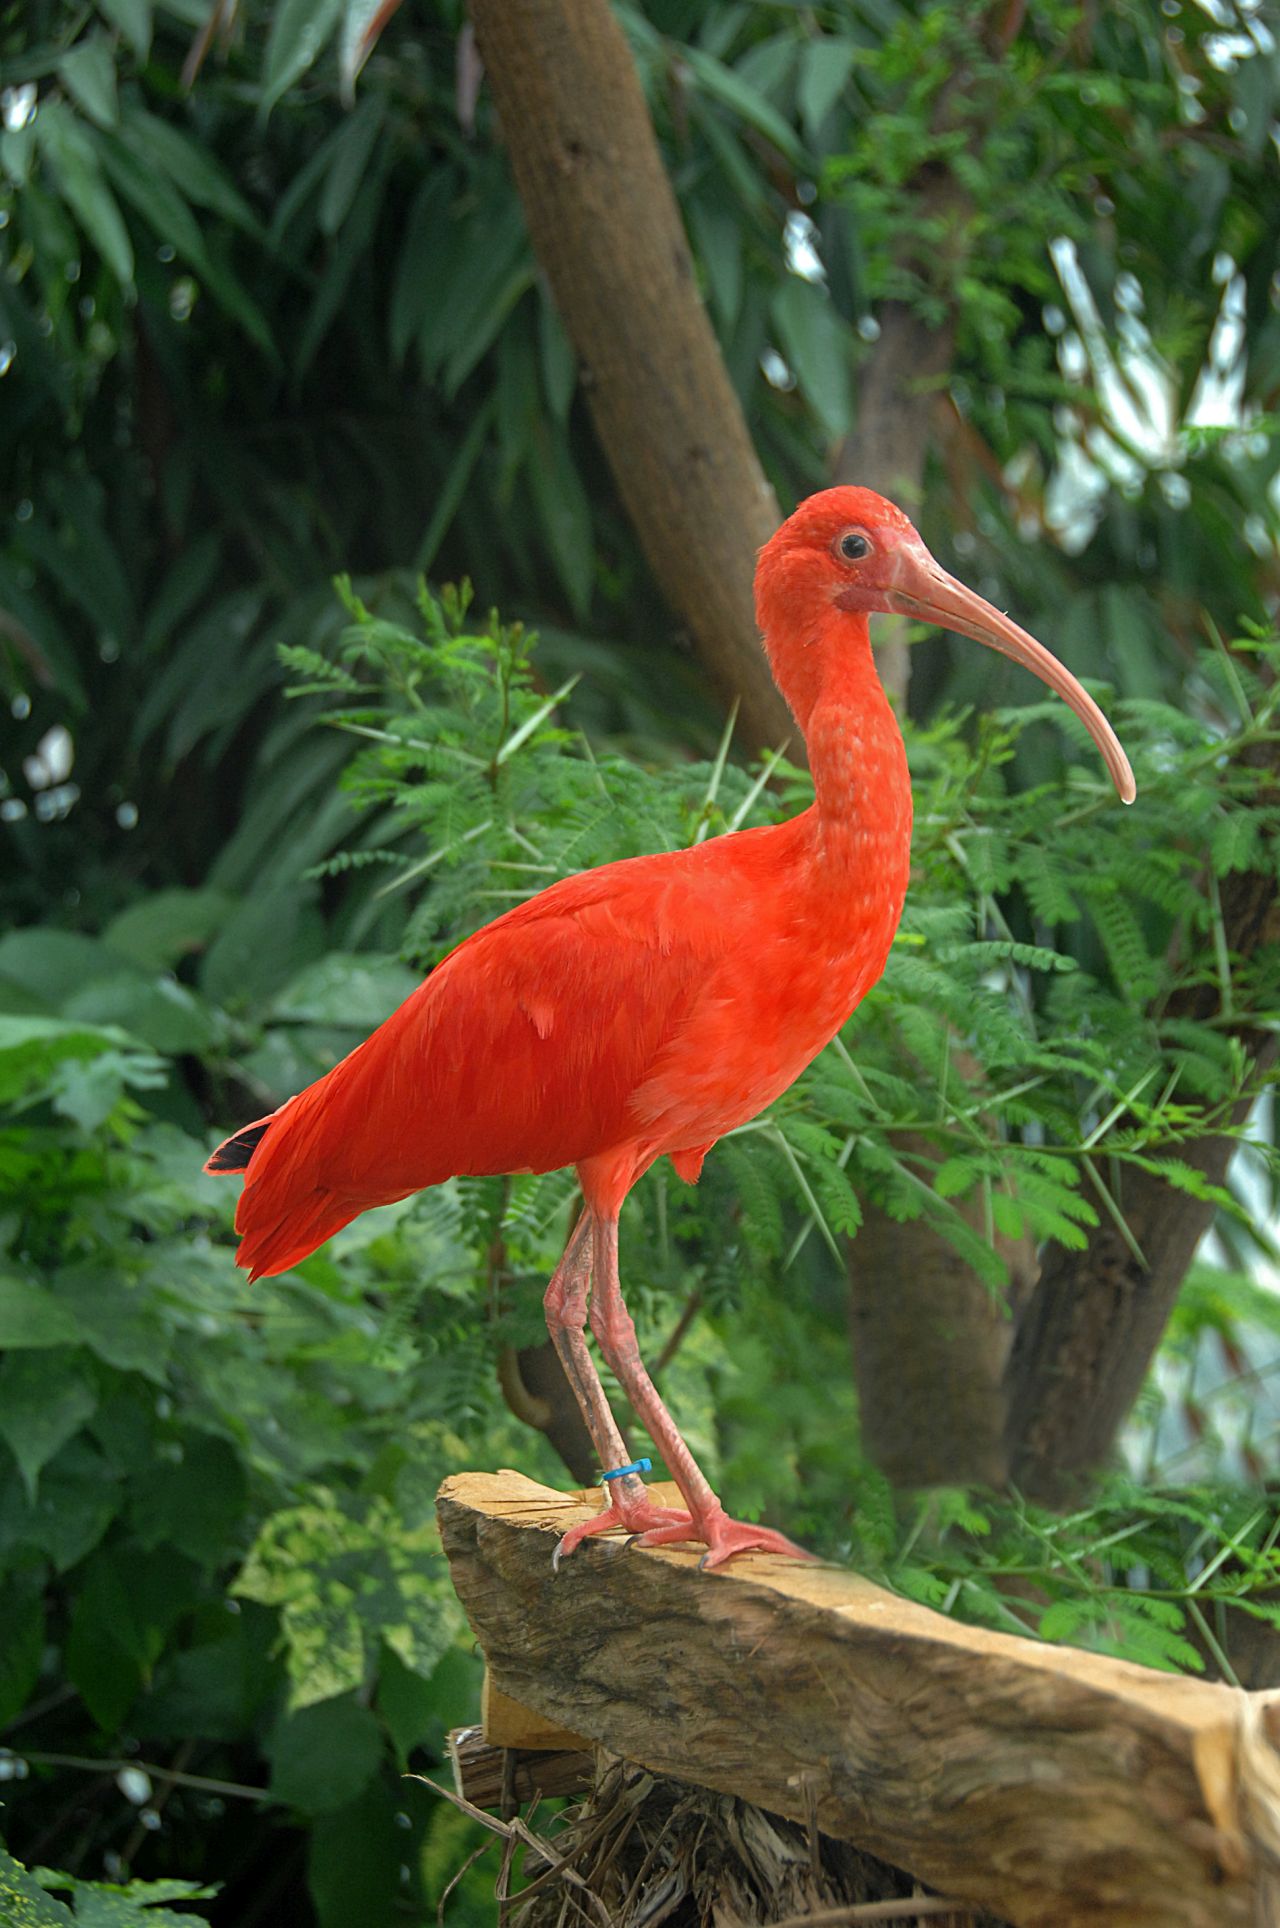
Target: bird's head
{"x":849,"y":553}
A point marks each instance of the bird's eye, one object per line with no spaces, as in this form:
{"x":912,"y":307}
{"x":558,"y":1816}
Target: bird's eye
{"x":854,"y":547}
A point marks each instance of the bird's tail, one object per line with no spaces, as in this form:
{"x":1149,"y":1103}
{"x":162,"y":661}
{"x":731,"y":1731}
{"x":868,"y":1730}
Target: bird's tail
{"x":234,"y":1153}
{"x":283,"y":1213}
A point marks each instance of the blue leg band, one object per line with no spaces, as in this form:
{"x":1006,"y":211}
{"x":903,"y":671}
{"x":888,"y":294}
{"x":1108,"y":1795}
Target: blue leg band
{"x":620,"y":1472}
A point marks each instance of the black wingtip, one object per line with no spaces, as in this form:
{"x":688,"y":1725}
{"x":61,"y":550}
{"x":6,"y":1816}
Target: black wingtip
{"x":233,"y":1154}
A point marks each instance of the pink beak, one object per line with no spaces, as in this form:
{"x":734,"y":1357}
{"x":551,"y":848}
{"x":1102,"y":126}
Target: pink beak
{"x":925,"y":590}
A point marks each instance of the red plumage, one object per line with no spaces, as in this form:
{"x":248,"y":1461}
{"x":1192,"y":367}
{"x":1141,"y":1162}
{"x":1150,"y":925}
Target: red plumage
{"x":647,"y":1007}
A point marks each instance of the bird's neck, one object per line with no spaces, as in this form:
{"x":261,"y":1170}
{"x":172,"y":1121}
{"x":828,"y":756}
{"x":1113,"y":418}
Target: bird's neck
{"x":862,"y":820}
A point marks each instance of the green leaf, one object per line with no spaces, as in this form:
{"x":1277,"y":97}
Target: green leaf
{"x":454,"y":486}
{"x":83,"y":1069}
{"x":43,"y":1402}
{"x":157,"y":201}
{"x":190,"y":167}
{"x":22,"y":1617}
{"x":164,"y":926}
{"x":31,"y":1318}
{"x":825,"y":66}
{"x":345,"y":1577}
{"x":955,"y":1176}
{"x":24,"y":1903}
{"x":477,"y":340}
{"x":300,"y":32}
{"x":349,"y":160}
{"x":88,"y":1090}
{"x":410,"y":1705}
{"x":1235,"y":842}
{"x":120,"y":1322}
{"x":819,"y":348}
{"x":123,"y":1613}
{"x":195,"y":1505}
{"x":133,"y":18}
{"x":723,"y":84}
{"x":323,"y":1755}
{"x":79,"y":1497}
{"x":172,"y":222}
{"x":223,"y":1688}
{"x":717,"y":238}
{"x":162,"y":1013}
{"x":66,"y":145}
{"x":355,"y":991}
{"x":451,"y":1853}
{"x":353,"y":1861}
{"x":462,"y":317}
{"x":102,"y":1904}
{"x":264,"y":943}
{"x":88,"y":71}
{"x":564,"y":512}
{"x":556,"y":357}
{"x":17,"y":152}
{"x":415,"y":286}
{"x":346,"y":251}
{"x":53,"y":963}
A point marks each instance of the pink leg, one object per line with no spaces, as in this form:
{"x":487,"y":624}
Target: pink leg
{"x":613,"y":1328}
{"x":565,"y":1304}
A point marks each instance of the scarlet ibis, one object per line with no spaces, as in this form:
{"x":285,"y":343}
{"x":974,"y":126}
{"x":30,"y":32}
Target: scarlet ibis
{"x":649,"y":1006}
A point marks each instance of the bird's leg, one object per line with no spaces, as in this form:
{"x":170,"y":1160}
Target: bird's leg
{"x":614,"y":1330}
{"x":628,"y":1504}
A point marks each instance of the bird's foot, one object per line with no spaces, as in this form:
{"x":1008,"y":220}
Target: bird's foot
{"x":723,"y":1537}
{"x":637,"y":1517}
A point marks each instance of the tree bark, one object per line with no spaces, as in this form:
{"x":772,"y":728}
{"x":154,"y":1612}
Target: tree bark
{"x":1091,"y":1328}
{"x":608,"y":235}
{"x":888,"y":449}
{"x":930,"y":1344}
{"x":1051,"y":1786}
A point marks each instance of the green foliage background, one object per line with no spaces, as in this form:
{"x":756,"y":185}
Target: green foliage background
{"x":252,"y":337}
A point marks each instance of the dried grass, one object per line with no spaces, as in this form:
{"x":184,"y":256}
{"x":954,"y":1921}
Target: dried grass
{"x":640,"y":1851}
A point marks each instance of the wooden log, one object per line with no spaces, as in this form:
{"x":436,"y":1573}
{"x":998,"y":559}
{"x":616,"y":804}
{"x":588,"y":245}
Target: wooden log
{"x":505,"y":1723}
{"x":1050,"y":1786}
{"x":492,"y":1776}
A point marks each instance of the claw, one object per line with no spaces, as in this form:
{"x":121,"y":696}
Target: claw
{"x":724,"y":1538}
{"x":637,"y":1519}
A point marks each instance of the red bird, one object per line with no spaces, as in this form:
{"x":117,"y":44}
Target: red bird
{"x":647,"y":1007}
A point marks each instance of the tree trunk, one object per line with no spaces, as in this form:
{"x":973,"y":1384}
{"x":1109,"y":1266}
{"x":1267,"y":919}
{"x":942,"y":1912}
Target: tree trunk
{"x":608,"y":234}
{"x":930,"y":1344}
{"x":1092,"y":1326}
{"x":888,"y":449}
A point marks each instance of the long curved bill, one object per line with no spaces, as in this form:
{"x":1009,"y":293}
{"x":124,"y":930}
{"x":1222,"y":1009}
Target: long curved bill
{"x":925,"y":590}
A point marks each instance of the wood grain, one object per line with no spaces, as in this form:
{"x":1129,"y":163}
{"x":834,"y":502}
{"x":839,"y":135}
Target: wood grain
{"x":1050,"y":1786}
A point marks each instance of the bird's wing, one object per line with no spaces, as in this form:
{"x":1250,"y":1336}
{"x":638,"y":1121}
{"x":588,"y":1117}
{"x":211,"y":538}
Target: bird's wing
{"x":520,"y":1052}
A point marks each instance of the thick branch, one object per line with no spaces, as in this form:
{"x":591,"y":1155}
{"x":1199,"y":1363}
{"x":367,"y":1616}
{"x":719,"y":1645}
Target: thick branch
{"x":608,"y":235}
{"x":1092,"y":1326}
{"x":1051,"y":1786}
{"x":930,"y":1344}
